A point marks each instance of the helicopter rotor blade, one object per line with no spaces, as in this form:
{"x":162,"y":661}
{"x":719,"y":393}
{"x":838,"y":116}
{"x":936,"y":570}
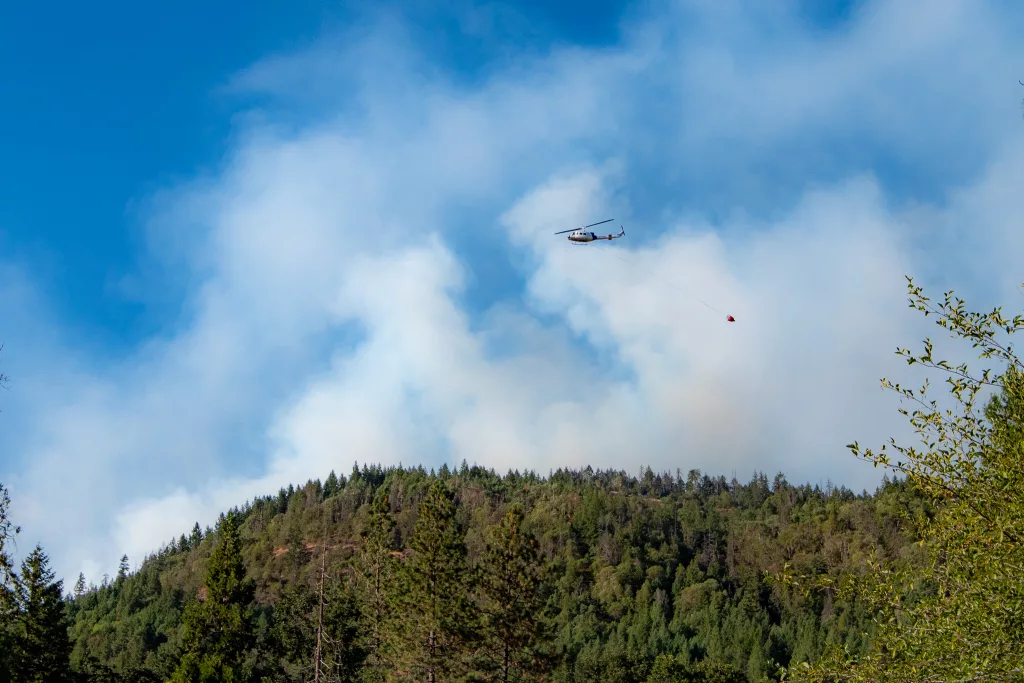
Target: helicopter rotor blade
{"x":585,"y":226}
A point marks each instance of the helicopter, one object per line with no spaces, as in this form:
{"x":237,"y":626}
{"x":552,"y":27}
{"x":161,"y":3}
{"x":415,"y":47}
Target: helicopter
{"x":580,"y":236}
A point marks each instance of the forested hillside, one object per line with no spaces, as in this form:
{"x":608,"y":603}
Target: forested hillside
{"x":634,"y":578}
{"x":403,"y":575}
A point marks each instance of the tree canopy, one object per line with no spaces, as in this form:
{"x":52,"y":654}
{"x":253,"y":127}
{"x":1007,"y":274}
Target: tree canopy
{"x":959,"y":616}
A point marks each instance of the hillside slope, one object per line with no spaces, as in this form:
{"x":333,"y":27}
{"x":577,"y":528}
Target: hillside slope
{"x":631,"y":568}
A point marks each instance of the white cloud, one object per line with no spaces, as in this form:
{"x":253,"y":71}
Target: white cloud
{"x":326,"y":321}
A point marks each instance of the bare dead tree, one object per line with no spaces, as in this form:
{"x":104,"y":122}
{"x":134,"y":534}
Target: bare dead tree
{"x":3,"y":378}
{"x":318,"y":657}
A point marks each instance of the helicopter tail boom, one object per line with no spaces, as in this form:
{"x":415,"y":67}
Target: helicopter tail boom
{"x":622,"y":232}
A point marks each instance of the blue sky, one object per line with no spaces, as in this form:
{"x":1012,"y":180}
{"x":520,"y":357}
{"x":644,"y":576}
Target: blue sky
{"x":243,"y":245}
{"x":105,"y":105}
{"x":101,"y":106}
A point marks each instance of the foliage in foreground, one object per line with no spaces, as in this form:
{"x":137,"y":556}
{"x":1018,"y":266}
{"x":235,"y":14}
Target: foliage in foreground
{"x":959,"y":616}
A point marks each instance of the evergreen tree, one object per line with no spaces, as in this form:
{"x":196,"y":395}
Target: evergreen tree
{"x":331,"y":485}
{"x":342,"y":653}
{"x":317,"y":631}
{"x":196,"y":537}
{"x":511,"y":606}
{"x":376,"y":581}
{"x":43,"y":649}
{"x":666,"y":669}
{"x":91,"y":670}
{"x":755,"y":665}
{"x":123,"y":569}
{"x":7,"y":533}
{"x":80,"y":585}
{"x":216,"y":630}
{"x":293,"y":629}
{"x":438,"y":620}
{"x":669,"y":669}
{"x":8,"y":584}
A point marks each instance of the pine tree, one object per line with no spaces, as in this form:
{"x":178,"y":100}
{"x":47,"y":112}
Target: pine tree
{"x":666,"y":669}
{"x":80,"y":585}
{"x":437,"y":615}
{"x":669,"y":669}
{"x":217,"y":633}
{"x":7,"y":533}
{"x":196,"y":537}
{"x":755,"y":665}
{"x":293,"y":630}
{"x":317,"y":630}
{"x":376,"y":581}
{"x":341,"y":653}
{"x":318,"y":656}
{"x":122,"y":570}
{"x":8,"y":584}
{"x":331,"y":485}
{"x":43,"y":649}
{"x":511,"y":605}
